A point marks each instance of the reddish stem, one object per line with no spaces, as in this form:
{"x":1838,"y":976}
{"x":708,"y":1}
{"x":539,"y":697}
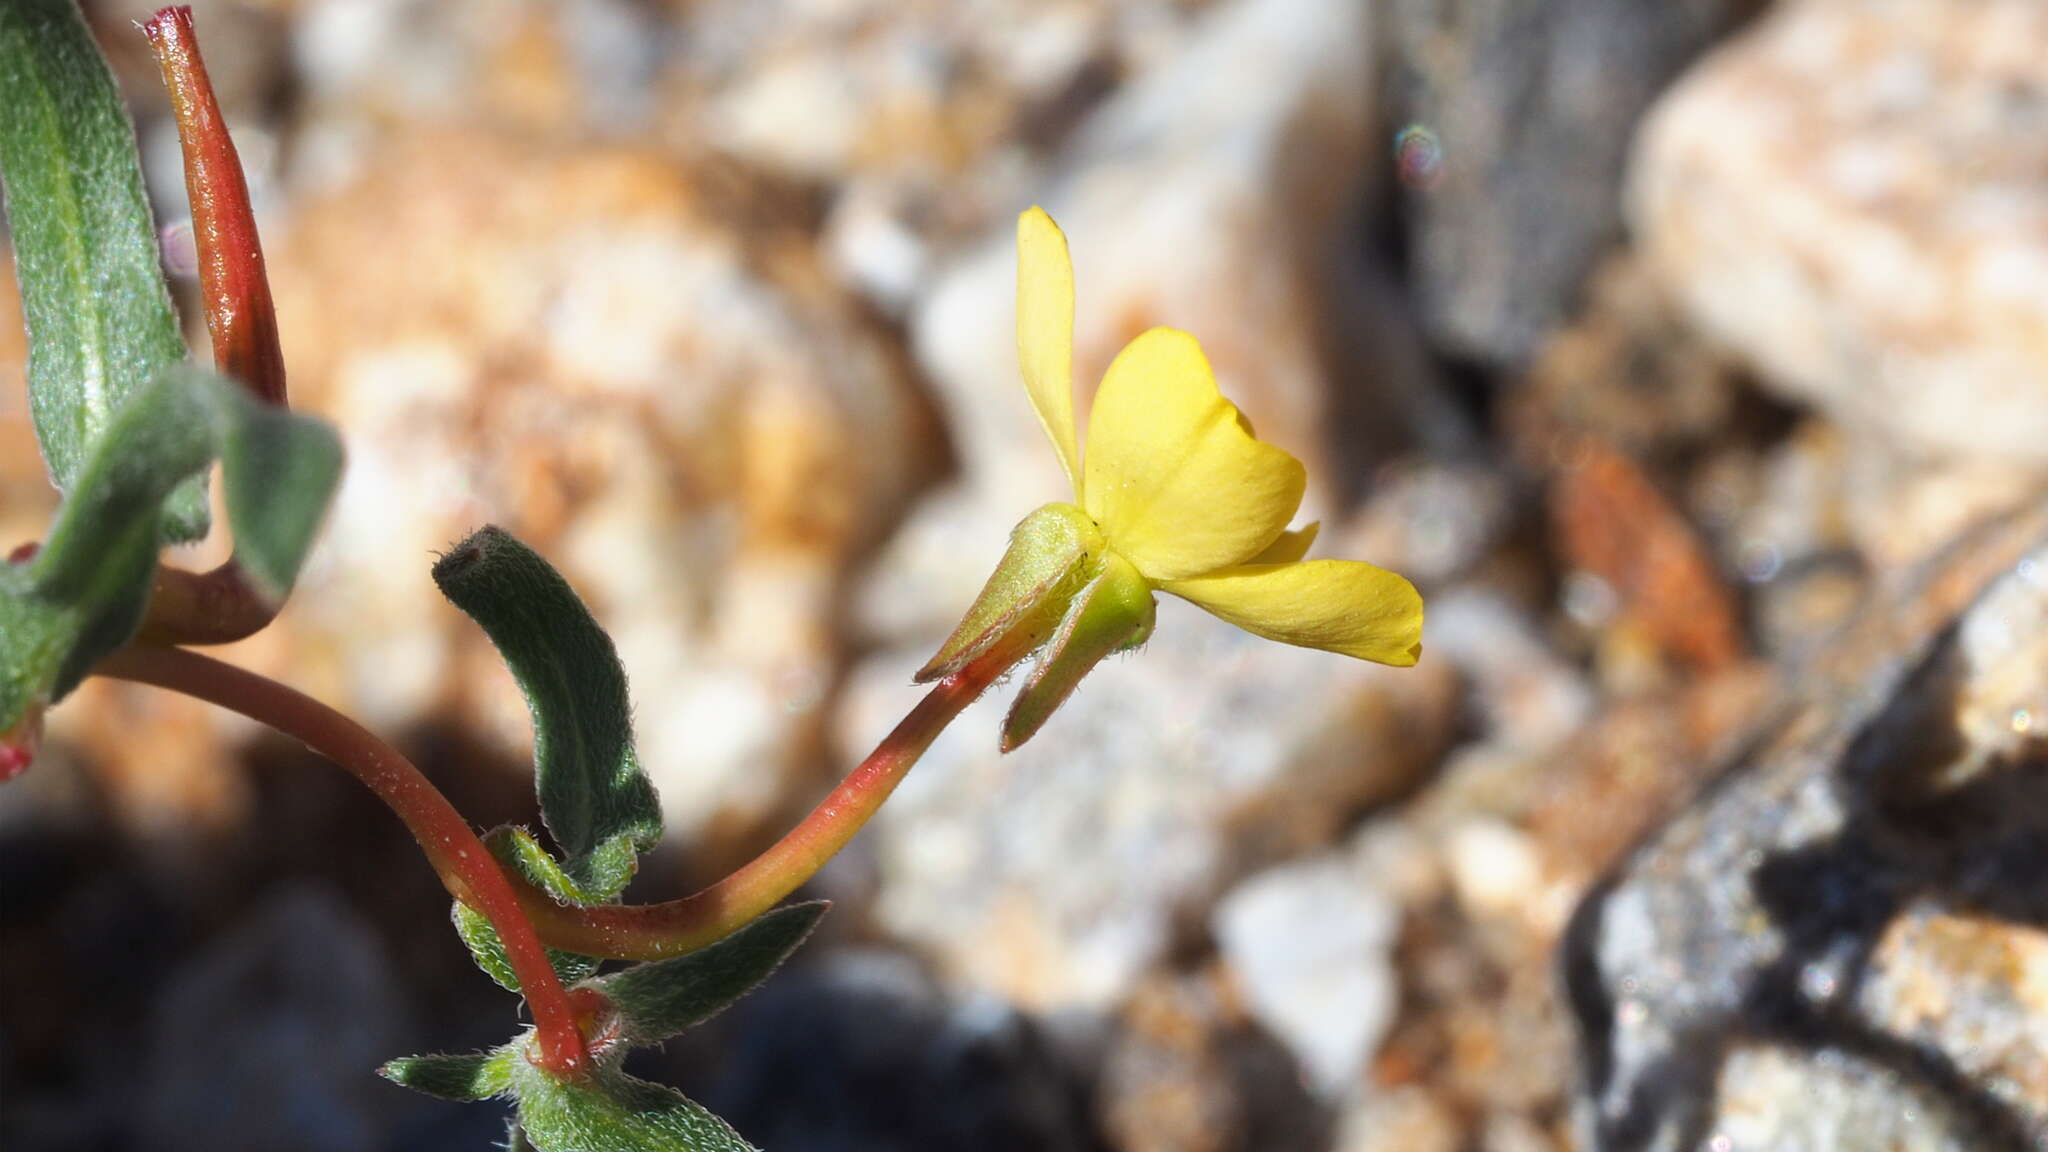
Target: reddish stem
{"x":653,"y":931}
{"x":215,"y":607}
{"x":465,"y":866}
{"x":239,"y":312}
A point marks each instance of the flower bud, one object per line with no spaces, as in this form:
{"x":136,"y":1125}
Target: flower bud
{"x":1053,"y":553}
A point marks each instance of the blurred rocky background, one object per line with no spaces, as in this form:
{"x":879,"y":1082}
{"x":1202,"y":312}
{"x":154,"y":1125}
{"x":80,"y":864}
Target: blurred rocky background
{"x":1691,"y":355}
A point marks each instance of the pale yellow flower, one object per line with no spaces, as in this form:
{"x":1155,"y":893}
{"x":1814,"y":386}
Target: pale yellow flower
{"x":1173,"y":493}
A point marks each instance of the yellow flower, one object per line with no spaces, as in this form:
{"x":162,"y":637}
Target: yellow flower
{"x":1174,"y":493}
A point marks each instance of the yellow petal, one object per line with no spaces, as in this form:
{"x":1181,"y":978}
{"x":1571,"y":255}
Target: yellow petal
{"x":1337,"y":605}
{"x":1290,"y":546}
{"x":1045,"y":332}
{"x":1174,"y":475}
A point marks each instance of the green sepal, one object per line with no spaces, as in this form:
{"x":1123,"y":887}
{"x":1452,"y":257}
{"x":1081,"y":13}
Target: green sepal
{"x":464,"y":1076}
{"x":596,"y":801}
{"x":609,"y":1111}
{"x":1052,"y":552}
{"x":100,"y":322}
{"x":1113,"y":612}
{"x":661,"y":998}
{"x":84,"y":593}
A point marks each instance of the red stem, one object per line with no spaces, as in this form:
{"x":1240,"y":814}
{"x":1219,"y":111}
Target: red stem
{"x":653,"y":931}
{"x":239,"y":312}
{"x":465,"y":866}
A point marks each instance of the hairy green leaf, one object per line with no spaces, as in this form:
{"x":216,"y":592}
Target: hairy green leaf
{"x":659,"y":999}
{"x":464,"y":1076}
{"x":609,"y":1111}
{"x":489,"y":952}
{"x":594,"y":797}
{"x":84,"y":593}
{"x":99,"y":317}
{"x":612,"y":866}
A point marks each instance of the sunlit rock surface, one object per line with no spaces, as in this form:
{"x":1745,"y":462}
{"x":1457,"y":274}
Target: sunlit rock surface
{"x":1852,"y":198}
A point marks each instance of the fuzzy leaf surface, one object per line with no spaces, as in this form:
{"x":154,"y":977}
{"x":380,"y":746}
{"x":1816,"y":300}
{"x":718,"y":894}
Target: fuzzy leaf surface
{"x":595,"y":799}
{"x":661,"y":998}
{"x":100,"y":321}
{"x":460,"y":1076}
{"x":612,"y":1112}
{"x":489,"y":952}
{"x":83,"y":594}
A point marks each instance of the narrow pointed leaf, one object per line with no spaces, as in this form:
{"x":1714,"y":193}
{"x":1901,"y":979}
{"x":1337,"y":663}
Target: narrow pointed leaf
{"x":610,"y":1111}
{"x":464,"y":1076}
{"x":100,"y":321}
{"x":595,"y":799}
{"x":659,"y":999}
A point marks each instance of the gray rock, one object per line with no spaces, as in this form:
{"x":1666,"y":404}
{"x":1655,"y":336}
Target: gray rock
{"x":1533,"y":106}
{"x":1851,"y":918}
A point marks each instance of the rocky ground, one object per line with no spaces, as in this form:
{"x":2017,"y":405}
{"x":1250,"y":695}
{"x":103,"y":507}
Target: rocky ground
{"x":1692,"y":357}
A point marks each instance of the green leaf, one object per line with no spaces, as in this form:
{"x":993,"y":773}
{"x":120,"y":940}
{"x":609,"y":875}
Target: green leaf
{"x":84,"y":593}
{"x":468,"y":1076}
{"x":594,"y":797}
{"x":100,"y":321}
{"x":659,"y":999}
{"x":280,"y":471}
{"x":609,"y":1111}
{"x":489,"y":952}
{"x":610,"y":869}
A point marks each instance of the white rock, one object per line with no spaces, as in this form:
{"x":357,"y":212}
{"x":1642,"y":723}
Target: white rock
{"x":1854,"y":197}
{"x":1310,"y":943}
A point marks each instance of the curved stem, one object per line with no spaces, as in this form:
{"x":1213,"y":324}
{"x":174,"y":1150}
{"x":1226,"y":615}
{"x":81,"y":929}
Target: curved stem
{"x":214,"y":607}
{"x":654,"y":931}
{"x":625,"y":932}
{"x":465,"y":866}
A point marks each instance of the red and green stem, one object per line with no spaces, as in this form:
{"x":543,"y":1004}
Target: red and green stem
{"x":527,"y":919}
{"x":468,"y":870}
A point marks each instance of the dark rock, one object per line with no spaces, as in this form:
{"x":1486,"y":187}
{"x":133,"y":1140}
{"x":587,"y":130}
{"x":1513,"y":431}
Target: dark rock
{"x":1534,"y":106}
{"x":1852,"y":918}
